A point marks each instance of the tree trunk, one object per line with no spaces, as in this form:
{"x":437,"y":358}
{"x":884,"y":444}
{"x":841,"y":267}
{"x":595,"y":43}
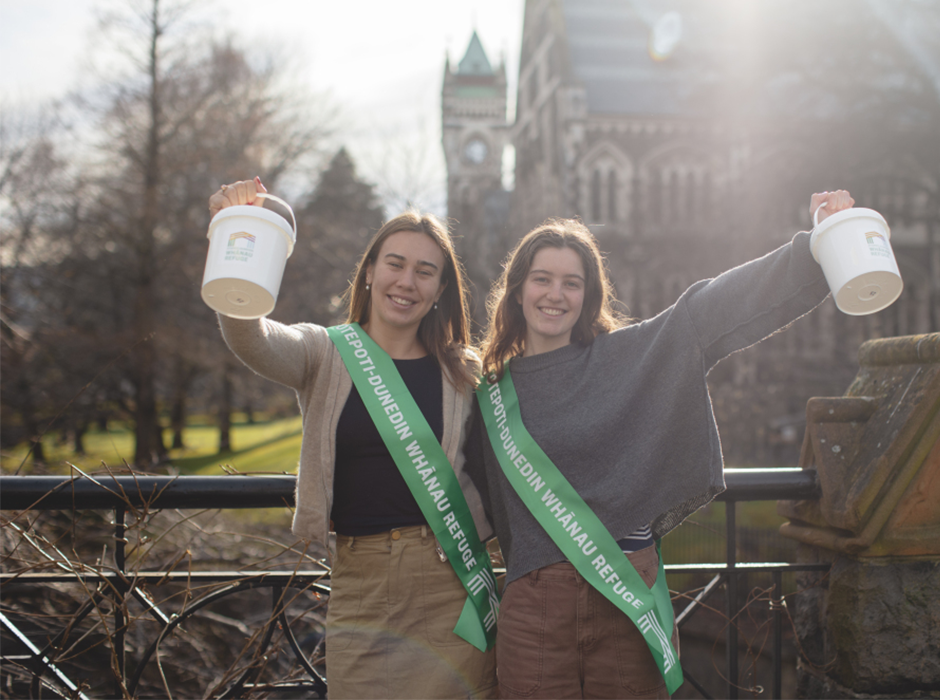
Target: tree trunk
{"x":148,"y":449}
{"x":178,"y":419}
{"x":145,"y":411}
{"x":162,"y":455}
{"x":78,"y":438}
{"x":225,"y":413}
{"x":39,"y":456}
{"x":182,"y":378}
{"x":33,"y":433}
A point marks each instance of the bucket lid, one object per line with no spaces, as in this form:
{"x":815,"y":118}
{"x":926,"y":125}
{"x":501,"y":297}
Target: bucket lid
{"x":844,"y":215}
{"x":272,"y":217}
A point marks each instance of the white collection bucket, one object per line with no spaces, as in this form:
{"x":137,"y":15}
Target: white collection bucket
{"x":853,"y":247}
{"x":248,"y":249}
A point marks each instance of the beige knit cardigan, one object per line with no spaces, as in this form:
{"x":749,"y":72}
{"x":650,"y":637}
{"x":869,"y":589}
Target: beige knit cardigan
{"x":303,"y":357}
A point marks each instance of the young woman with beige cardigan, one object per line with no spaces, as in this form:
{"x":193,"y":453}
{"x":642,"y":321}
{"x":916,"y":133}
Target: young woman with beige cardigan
{"x":394,"y":600}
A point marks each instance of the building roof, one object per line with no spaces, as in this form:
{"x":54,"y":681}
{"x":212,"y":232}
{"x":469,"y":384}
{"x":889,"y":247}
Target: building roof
{"x":640,"y":57}
{"x":475,"y":62}
{"x":475,"y":77}
{"x":691,"y":58}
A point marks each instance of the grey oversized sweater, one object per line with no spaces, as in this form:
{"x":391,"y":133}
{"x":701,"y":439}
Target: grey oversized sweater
{"x":628,"y":419}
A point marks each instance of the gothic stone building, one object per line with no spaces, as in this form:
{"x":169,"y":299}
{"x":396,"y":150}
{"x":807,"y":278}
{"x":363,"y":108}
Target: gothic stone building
{"x":688,"y":139}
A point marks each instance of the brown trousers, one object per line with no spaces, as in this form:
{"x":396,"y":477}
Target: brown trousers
{"x":559,"y":638}
{"x":389,"y":625}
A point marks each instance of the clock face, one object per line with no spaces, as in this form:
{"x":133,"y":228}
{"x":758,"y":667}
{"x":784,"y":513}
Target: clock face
{"x":475,"y":151}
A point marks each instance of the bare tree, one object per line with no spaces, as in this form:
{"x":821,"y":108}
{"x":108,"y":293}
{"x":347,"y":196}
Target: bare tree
{"x":35,"y":194}
{"x":123,"y":263}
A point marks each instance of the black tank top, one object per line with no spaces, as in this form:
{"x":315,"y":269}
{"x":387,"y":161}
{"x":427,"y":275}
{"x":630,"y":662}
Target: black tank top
{"x":369,"y":493}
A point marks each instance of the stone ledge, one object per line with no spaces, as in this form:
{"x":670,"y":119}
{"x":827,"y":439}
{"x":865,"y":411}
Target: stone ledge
{"x":877,"y":455}
{"x":904,"y":350}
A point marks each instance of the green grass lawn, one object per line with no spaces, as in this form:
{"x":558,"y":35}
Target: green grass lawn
{"x":264,"y":446}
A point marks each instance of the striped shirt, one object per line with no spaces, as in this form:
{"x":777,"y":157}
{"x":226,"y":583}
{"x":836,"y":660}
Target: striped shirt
{"x":641,"y":538}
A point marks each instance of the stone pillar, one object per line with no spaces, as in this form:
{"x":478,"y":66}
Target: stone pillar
{"x":870,"y":627}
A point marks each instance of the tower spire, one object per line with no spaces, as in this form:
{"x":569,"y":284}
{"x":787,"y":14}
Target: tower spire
{"x":475,"y":61}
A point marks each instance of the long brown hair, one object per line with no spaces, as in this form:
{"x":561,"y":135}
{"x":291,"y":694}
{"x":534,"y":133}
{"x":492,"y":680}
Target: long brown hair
{"x":505,"y":334}
{"x":444,"y":331}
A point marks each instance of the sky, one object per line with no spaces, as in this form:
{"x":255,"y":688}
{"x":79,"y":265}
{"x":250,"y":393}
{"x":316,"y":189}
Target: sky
{"x":380,"y":61}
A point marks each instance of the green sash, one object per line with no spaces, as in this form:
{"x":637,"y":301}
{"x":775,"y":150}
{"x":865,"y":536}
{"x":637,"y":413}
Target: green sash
{"x":574,"y":527}
{"x":428,"y":474}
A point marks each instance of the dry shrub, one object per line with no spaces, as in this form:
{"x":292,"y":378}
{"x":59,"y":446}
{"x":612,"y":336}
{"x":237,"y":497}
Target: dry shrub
{"x":225,"y":636}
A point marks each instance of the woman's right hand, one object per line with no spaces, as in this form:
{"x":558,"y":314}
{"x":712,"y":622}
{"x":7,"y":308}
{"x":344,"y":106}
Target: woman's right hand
{"x":828,"y":203}
{"x":241,"y":192}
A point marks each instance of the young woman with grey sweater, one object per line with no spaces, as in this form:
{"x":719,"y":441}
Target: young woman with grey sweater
{"x":624,"y":414}
{"x":394,"y":600}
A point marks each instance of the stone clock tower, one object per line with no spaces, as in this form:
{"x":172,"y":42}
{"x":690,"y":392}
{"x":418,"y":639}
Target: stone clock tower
{"x":475,"y":133}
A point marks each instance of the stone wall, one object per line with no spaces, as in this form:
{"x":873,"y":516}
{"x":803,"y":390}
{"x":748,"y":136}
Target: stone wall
{"x":870,"y":627}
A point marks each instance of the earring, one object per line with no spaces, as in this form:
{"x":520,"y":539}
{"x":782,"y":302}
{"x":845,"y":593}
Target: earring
{"x":435,"y":304}
{"x":367,"y":287}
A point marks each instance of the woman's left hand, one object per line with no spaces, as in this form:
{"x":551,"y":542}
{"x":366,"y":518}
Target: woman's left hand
{"x":830,"y":203}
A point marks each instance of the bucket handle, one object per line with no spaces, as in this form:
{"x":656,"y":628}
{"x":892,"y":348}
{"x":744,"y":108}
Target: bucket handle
{"x":265,"y":195}
{"x":815,"y":214}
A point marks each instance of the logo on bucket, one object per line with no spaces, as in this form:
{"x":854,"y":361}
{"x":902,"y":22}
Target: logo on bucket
{"x":877,"y":245}
{"x":240,"y":247}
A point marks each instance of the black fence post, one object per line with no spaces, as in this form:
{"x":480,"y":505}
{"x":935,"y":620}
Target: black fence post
{"x":731,"y":554}
{"x":776,"y":604}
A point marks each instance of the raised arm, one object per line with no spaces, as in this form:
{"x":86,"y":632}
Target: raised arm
{"x":746,"y":304}
{"x":284,"y":354}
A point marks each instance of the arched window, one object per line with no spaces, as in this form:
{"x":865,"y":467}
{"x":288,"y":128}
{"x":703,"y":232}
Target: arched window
{"x":605,"y":177}
{"x":612,"y":194}
{"x":596,"y":196}
{"x":672,"y":198}
{"x":679,"y":185}
{"x":655,"y":203}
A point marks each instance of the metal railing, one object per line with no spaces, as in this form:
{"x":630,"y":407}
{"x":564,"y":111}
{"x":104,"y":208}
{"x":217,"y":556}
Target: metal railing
{"x":750,"y":485}
{"x":119,"y":493}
